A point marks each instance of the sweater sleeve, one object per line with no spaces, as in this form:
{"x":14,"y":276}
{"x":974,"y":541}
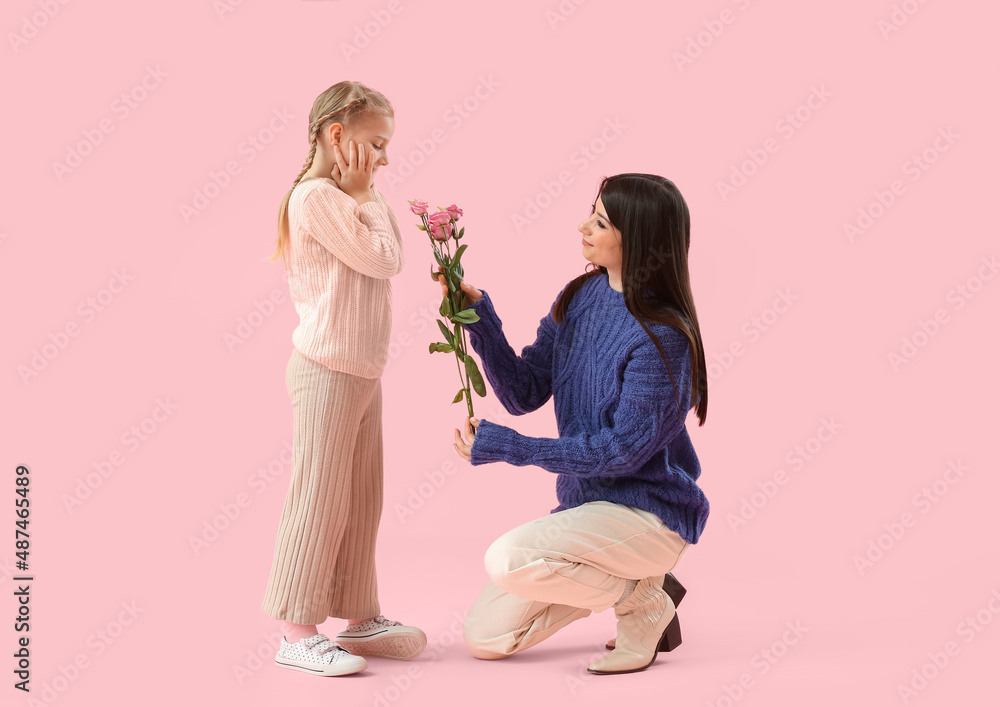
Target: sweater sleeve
{"x":364,"y":236}
{"x":646,"y":420}
{"x":521,"y":383}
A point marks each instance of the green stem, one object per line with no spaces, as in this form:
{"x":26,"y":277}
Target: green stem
{"x":468,"y":385}
{"x":458,"y":362}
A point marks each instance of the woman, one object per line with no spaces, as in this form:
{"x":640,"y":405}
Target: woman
{"x":620,"y":353}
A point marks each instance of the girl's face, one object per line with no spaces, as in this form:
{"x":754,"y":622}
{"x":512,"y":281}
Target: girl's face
{"x":602,"y":242}
{"x":373,"y":132}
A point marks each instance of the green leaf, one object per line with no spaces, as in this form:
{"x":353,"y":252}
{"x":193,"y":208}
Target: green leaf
{"x":456,"y":259}
{"x":461,"y":232}
{"x":466,"y":316}
{"x":447,"y":333}
{"x":440,"y":346}
{"x":438,"y":258}
{"x":435,"y":275}
{"x":445,"y":309}
{"x":421,"y":227}
{"x":475,"y":377}
{"x":459,"y":396}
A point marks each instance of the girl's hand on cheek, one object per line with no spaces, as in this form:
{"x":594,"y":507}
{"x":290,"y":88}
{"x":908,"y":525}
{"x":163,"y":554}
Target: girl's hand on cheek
{"x":353,"y":171}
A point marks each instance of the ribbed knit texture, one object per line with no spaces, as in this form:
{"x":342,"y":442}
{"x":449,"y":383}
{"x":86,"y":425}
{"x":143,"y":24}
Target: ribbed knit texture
{"x":342,"y":255}
{"x":621,"y":438}
{"x":324,"y":555}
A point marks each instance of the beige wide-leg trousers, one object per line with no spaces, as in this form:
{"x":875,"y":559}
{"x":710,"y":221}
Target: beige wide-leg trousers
{"x":554,"y":570}
{"x":324,"y":555}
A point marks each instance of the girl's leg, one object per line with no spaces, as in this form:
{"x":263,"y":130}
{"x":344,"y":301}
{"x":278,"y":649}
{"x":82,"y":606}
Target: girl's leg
{"x":294,"y":633}
{"x":327,"y":407}
{"x":355,"y":594}
{"x":370,"y":633}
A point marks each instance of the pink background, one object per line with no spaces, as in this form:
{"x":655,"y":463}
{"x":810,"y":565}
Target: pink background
{"x":214,"y":79}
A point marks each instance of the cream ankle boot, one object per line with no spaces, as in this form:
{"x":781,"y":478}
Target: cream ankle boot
{"x":676,"y":591}
{"x":647,"y":624}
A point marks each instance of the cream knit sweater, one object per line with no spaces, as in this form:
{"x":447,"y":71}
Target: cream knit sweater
{"x":342,"y":255}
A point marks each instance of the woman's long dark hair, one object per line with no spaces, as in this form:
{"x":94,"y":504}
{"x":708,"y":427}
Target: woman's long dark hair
{"x":656,"y":235}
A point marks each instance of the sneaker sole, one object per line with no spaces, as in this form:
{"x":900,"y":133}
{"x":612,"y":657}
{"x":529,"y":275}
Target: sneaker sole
{"x":327,"y":671}
{"x":397,"y":646}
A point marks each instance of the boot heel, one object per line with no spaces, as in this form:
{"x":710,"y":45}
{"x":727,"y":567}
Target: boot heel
{"x":674,"y":589}
{"x":671,"y":636}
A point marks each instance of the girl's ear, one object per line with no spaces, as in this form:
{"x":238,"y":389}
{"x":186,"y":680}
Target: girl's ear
{"x":334,"y":133}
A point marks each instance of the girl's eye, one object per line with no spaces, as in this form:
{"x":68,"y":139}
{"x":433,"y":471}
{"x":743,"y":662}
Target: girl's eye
{"x":600,"y":225}
{"x":377,"y":147}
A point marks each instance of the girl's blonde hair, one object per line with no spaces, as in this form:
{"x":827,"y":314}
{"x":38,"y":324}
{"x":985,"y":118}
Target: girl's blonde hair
{"x":344,"y":103}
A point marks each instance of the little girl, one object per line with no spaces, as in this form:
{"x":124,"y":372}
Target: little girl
{"x":620,"y":352}
{"x":341,"y":243}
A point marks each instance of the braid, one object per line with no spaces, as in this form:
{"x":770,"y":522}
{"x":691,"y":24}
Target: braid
{"x":314,"y":130}
{"x":308,"y":163}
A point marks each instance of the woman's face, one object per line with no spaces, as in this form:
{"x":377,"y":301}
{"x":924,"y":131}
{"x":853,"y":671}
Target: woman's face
{"x":602,"y":242}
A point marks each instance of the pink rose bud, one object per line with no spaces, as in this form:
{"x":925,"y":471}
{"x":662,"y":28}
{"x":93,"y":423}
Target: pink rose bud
{"x":439,"y":218}
{"x":441,"y":233}
{"x":418,"y":207}
{"x":455,"y":212}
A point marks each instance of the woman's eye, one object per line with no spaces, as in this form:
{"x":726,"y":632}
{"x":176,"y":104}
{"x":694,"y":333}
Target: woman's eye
{"x":600,"y":225}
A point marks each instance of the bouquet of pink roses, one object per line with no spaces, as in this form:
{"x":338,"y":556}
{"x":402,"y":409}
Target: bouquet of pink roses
{"x":441,"y":230}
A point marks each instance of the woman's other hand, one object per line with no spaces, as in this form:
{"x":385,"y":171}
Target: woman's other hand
{"x":463,"y":448}
{"x":470,"y":292}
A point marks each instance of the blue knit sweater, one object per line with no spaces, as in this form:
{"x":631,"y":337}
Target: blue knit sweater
{"x":621,"y":438}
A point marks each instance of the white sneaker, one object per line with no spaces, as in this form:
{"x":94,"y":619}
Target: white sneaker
{"x":318,"y":655}
{"x":383,"y":638}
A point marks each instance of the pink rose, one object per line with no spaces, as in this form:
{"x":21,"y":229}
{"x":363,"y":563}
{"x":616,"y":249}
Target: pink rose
{"x":441,"y":232}
{"x":439,"y":218}
{"x":418,"y":207}
{"x":455,"y":212}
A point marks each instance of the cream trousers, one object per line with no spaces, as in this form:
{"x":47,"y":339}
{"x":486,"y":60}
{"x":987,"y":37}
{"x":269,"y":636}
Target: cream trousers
{"x":324,"y":554}
{"x":550,"y":572}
